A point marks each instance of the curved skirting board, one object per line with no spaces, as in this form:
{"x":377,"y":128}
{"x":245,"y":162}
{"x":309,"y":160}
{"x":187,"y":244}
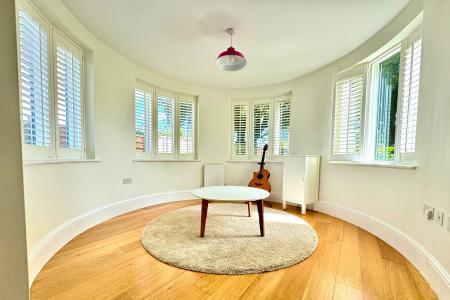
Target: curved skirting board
{"x":60,"y":236}
{"x":429,"y":267}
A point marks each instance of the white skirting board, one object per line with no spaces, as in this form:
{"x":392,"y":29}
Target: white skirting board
{"x":426,"y":263}
{"x":60,"y":236}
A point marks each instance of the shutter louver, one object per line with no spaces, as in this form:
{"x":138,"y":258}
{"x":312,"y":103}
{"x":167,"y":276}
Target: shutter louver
{"x":69,"y":99}
{"x":34,"y":81}
{"x":166,"y":120}
{"x":261,"y":120}
{"x":347,"y":116}
{"x":143,"y":120}
{"x":410,"y":96}
{"x":240,"y":123}
{"x":187,"y":127}
{"x":282,"y":123}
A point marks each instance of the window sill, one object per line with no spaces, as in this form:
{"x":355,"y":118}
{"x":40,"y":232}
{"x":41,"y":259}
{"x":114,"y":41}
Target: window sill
{"x":393,"y":165}
{"x":252,"y":161}
{"x":34,"y":162}
{"x":165,"y":160}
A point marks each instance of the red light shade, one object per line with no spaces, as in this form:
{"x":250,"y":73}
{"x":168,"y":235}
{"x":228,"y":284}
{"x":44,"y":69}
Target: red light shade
{"x":231,"y":60}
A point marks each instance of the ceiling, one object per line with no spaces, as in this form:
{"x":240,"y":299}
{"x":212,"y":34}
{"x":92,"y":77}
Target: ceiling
{"x":281,"y":39}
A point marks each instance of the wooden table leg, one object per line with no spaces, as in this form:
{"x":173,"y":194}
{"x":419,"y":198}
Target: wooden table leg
{"x":249,"y":209}
{"x":203,"y":219}
{"x":260,"y":205}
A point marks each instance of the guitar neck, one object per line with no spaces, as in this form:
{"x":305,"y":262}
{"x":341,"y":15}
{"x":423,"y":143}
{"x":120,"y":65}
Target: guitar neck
{"x":261,"y":164}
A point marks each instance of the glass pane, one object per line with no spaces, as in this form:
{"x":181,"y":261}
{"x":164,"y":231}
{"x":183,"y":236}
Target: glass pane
{"x":387,"y":108}
{"x":33,"y":52}
{"x":240,"y":129}
{"x":165,"y":124}
{"x":69,"y":105}
{"x":187,"y":125}
{"x":261,"y":114}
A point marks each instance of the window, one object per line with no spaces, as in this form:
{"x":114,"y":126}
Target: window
{"x":347,"y":117}
{"x":173,"y":131}
{"x":379,"y":123}
{"x":261,"y":121}
{"x":51,"y":107}
{"x":410,"y":96}
{"x":165,"y":123}
{"x":282,"y":122}
{"x":240,"y":129}
{"x":387,"y":76}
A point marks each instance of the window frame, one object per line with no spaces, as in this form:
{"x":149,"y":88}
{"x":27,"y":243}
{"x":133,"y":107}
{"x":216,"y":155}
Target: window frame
{"x":250,"y":103}
{"x":351,"y":73}
{"x":370,"y":108}
{"x":53,"y":151}
{"x":177,"y":97}
{"x":59,"y":37}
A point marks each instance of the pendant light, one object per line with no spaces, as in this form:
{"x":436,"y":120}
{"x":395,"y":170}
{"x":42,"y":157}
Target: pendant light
{"x":231,"y":59}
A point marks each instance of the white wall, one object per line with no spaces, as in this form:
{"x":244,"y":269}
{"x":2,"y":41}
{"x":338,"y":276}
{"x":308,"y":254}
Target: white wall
{"x":13,"y":252}
{"x":393,"y":195}
{"x":57,"y":193}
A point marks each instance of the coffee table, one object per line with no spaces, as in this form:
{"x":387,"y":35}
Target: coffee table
{"x":231,"y":194}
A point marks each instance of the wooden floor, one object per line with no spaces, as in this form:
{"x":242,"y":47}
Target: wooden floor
{"x":108,"y":262}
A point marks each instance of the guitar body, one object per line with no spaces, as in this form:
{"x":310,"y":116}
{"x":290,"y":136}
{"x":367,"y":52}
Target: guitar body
{"x":260,"y":179}
{"x":261,"y":182}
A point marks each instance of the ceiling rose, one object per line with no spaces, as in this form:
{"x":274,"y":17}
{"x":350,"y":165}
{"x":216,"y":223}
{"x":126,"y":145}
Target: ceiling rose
{"x":231,"y":59}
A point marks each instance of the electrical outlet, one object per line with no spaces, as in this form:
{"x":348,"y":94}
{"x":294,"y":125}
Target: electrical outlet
{"x":439,"y":217}
{"x":428,"y":211}
{"x":127,"y":180}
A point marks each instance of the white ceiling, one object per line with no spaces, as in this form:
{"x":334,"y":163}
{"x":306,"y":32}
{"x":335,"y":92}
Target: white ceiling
{"x":281,"y":39}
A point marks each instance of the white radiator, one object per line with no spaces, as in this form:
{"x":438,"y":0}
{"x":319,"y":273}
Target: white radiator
{"x":213,"y":174}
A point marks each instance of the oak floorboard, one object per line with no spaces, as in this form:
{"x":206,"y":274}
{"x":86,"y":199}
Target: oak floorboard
{"x":108,"y":262}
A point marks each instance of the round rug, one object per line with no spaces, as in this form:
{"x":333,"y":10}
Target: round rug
{"x":232,"y":244}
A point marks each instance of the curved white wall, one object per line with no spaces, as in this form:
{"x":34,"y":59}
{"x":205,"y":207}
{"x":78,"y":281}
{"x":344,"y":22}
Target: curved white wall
{"x":57,"y":193}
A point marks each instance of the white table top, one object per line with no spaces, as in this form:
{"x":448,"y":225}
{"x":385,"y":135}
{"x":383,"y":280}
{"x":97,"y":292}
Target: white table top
{"x":230,"y":193}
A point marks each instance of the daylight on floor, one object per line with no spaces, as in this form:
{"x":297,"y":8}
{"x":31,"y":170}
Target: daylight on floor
{"x":240,"y":149}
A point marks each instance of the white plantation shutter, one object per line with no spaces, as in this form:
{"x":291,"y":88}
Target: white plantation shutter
{"x":282,"y":123}
{"x":261,"y":126}
{"x":143,"y":121}
{"x":186,"y":113}
{"x":165,"y":123}
{"x":410,"y":96}
{"x":349,"y":95}
{"x":34,"y":81}
{"x":240,"y":116}
{"x":69,"y":98}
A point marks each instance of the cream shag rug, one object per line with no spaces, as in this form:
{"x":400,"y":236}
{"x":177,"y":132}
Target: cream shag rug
{"x":232,"y":244}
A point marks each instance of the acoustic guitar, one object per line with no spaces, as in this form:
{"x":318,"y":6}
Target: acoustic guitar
{"x":261,"y":178}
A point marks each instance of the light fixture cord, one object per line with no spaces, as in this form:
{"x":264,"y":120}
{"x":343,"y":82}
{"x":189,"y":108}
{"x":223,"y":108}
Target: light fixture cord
{"x":231,"y":38}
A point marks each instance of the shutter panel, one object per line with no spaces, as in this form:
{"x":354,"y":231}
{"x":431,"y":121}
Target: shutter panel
{"x":187,"y":125}
{"x":69,"y":98}
{"x":410,"y":96}
{"x":261,"y":123}
{"x":143,"y":121}
{"x":240,"y":118}
{"x":282,"y":123}
{"x":347,"y":118}
{"x":34,"y":81}
{"x":166,"y":123}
